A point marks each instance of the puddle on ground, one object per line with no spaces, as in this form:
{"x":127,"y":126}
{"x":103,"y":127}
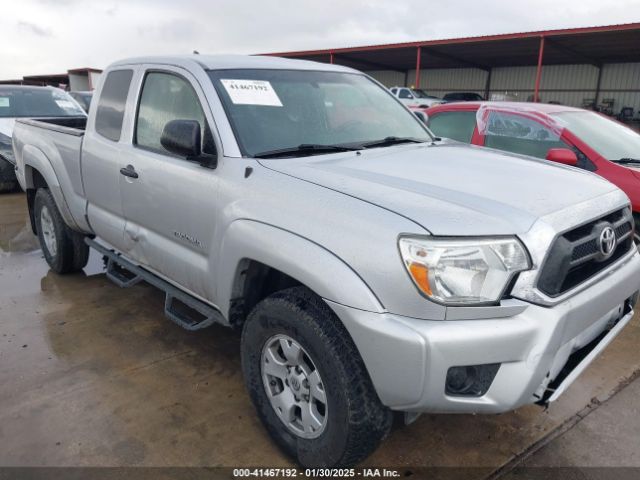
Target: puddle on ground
{"x":17,"y":238}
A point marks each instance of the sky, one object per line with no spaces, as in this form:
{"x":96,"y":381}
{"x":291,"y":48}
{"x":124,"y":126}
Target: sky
{"x":52,"y":36}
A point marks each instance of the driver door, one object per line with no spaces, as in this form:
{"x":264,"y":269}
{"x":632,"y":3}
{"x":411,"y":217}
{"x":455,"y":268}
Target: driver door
{"x":169,"y":202}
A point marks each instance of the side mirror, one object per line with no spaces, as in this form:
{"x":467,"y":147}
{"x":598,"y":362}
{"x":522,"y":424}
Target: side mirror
{"x":182,"y":137}
{"x":563,"y":155}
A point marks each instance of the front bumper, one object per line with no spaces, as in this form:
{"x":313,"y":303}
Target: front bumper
{"x":408,"y":358}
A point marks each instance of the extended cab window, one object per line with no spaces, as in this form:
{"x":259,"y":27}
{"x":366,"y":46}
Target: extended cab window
{"x":519,"y":134}
{"x":455,"y":125}
{"x":112,"y":103}
{"x":166,"y":97}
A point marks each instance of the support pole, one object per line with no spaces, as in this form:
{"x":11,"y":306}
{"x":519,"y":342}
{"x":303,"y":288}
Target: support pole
{"x":536,"y":91}
{"x":331,"y":58}
{"x":418,"y":60}
{"x":598,"y":83}
{"x":487,"y":85}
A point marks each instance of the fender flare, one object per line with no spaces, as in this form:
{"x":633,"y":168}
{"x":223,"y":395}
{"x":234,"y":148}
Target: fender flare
{"x":309,"y":263}
{"x":34,"y":159}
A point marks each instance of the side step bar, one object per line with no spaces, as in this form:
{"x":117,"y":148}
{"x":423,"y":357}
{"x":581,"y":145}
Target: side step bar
{"x":180,"y":307}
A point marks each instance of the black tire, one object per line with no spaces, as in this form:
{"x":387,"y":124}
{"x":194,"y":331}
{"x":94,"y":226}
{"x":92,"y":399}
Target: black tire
{"x":8,"y":180}
{"x":71,"y":253}
{"x":356,"y":419}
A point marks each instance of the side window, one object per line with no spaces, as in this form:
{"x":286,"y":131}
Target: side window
{"x":167,"y":97}
{"x":455,"y":125}
{"x":111,"y":104}
{"x":394,"y":91}
{"x":404,"y":93}
{"x":518,"y":134}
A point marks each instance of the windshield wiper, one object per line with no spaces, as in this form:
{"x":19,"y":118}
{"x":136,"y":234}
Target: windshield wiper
{"x":628,"y":160}
{"x":385,"y":142}
{"x":305,"y":149}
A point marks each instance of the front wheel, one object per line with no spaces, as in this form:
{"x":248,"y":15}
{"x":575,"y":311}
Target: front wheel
{"x":63,"y":249}
{"x":308,"y":382}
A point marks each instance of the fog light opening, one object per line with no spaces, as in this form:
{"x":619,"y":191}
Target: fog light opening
{"x":470,"y":380}
{"x":460,"y":379}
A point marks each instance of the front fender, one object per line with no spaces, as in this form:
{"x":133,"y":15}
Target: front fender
{"x":305,"y":261}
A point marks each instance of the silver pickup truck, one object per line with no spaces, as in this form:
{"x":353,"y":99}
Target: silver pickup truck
{"x":371,"y":267}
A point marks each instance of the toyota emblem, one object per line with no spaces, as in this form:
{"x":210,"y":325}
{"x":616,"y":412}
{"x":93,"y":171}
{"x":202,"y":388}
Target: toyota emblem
{"x":607,"y":242}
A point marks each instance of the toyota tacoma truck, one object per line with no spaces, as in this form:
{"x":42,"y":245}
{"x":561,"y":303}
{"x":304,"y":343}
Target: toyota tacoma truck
{"x":371,"y":267}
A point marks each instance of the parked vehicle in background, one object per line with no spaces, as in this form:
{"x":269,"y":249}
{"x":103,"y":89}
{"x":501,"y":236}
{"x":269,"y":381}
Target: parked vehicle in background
{"x":20,"y":102}
{"x":462,"y":97}
{"x":415,"y":97}
{"x":83,"y":99}
{"x":371,"y":267}
{"x":573,"y":136}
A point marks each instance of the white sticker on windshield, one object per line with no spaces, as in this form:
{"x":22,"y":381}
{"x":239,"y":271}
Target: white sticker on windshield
{"x":251,"y":92}
{"x":66,"y":104}
{"x":4,"y":102}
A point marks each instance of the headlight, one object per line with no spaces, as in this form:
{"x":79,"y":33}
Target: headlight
{"x":463,"y":271}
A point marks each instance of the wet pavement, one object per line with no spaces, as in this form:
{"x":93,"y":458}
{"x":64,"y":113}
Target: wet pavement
{"x":93,"y":375}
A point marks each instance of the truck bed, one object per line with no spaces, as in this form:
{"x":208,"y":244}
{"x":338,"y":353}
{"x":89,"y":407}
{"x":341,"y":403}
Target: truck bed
{"x":55,"y":143}
{"x":69,"y":125}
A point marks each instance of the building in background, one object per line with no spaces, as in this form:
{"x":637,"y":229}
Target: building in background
{"x":75,"y":80}
{"x":593,"y":67}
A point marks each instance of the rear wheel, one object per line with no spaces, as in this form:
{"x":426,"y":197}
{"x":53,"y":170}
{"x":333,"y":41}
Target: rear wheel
{"x":308,"y":382}
{"x":63,"y":249}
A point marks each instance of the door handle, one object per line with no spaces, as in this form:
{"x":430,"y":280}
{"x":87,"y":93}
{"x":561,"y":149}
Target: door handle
{"x":129,"y":171}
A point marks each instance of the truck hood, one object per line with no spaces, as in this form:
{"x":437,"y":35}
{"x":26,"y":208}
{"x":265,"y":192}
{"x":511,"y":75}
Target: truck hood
{"x":451,"y":188}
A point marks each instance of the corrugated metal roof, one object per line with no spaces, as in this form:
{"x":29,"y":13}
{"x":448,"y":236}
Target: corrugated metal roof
{"x":591,"y":45}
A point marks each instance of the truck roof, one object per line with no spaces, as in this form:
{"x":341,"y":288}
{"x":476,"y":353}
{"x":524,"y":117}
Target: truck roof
{"x":223,"y":62}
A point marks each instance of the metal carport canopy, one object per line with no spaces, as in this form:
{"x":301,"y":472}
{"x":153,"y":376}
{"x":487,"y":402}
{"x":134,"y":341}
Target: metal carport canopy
{"x":590,"y":45}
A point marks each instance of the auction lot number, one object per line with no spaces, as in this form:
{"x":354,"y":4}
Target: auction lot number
{"x":315,"y":473}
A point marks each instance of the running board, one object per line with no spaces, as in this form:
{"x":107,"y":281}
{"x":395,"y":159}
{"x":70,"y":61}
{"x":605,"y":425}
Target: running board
{"x":180,"y":307}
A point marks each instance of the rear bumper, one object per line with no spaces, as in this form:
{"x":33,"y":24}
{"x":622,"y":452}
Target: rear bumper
{"x":408,"y":359}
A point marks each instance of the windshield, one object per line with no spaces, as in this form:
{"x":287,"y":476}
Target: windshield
{"x":282,"y":109}
{"x":37,"y":102}
{"x":610,"y":139}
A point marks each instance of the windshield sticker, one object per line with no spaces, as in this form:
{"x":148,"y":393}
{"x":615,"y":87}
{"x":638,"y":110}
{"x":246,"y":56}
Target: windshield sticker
{"x":4,"y":102}
{"x":251,"y":92}
{"x":66,"y":104}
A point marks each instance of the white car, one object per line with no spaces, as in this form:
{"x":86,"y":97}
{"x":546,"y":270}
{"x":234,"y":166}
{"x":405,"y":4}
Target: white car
{"x":18,"y":101}
{"x":415,"y":97}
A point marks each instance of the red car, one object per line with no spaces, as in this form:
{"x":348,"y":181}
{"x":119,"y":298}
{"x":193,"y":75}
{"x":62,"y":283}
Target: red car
{"x":568,"y":135}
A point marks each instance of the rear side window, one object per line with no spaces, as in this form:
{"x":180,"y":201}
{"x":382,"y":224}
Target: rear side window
{"x":166,"y":97}
{"x":111,"y":105}
{"x":455,"y":125}
{"x":518,"y":134}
